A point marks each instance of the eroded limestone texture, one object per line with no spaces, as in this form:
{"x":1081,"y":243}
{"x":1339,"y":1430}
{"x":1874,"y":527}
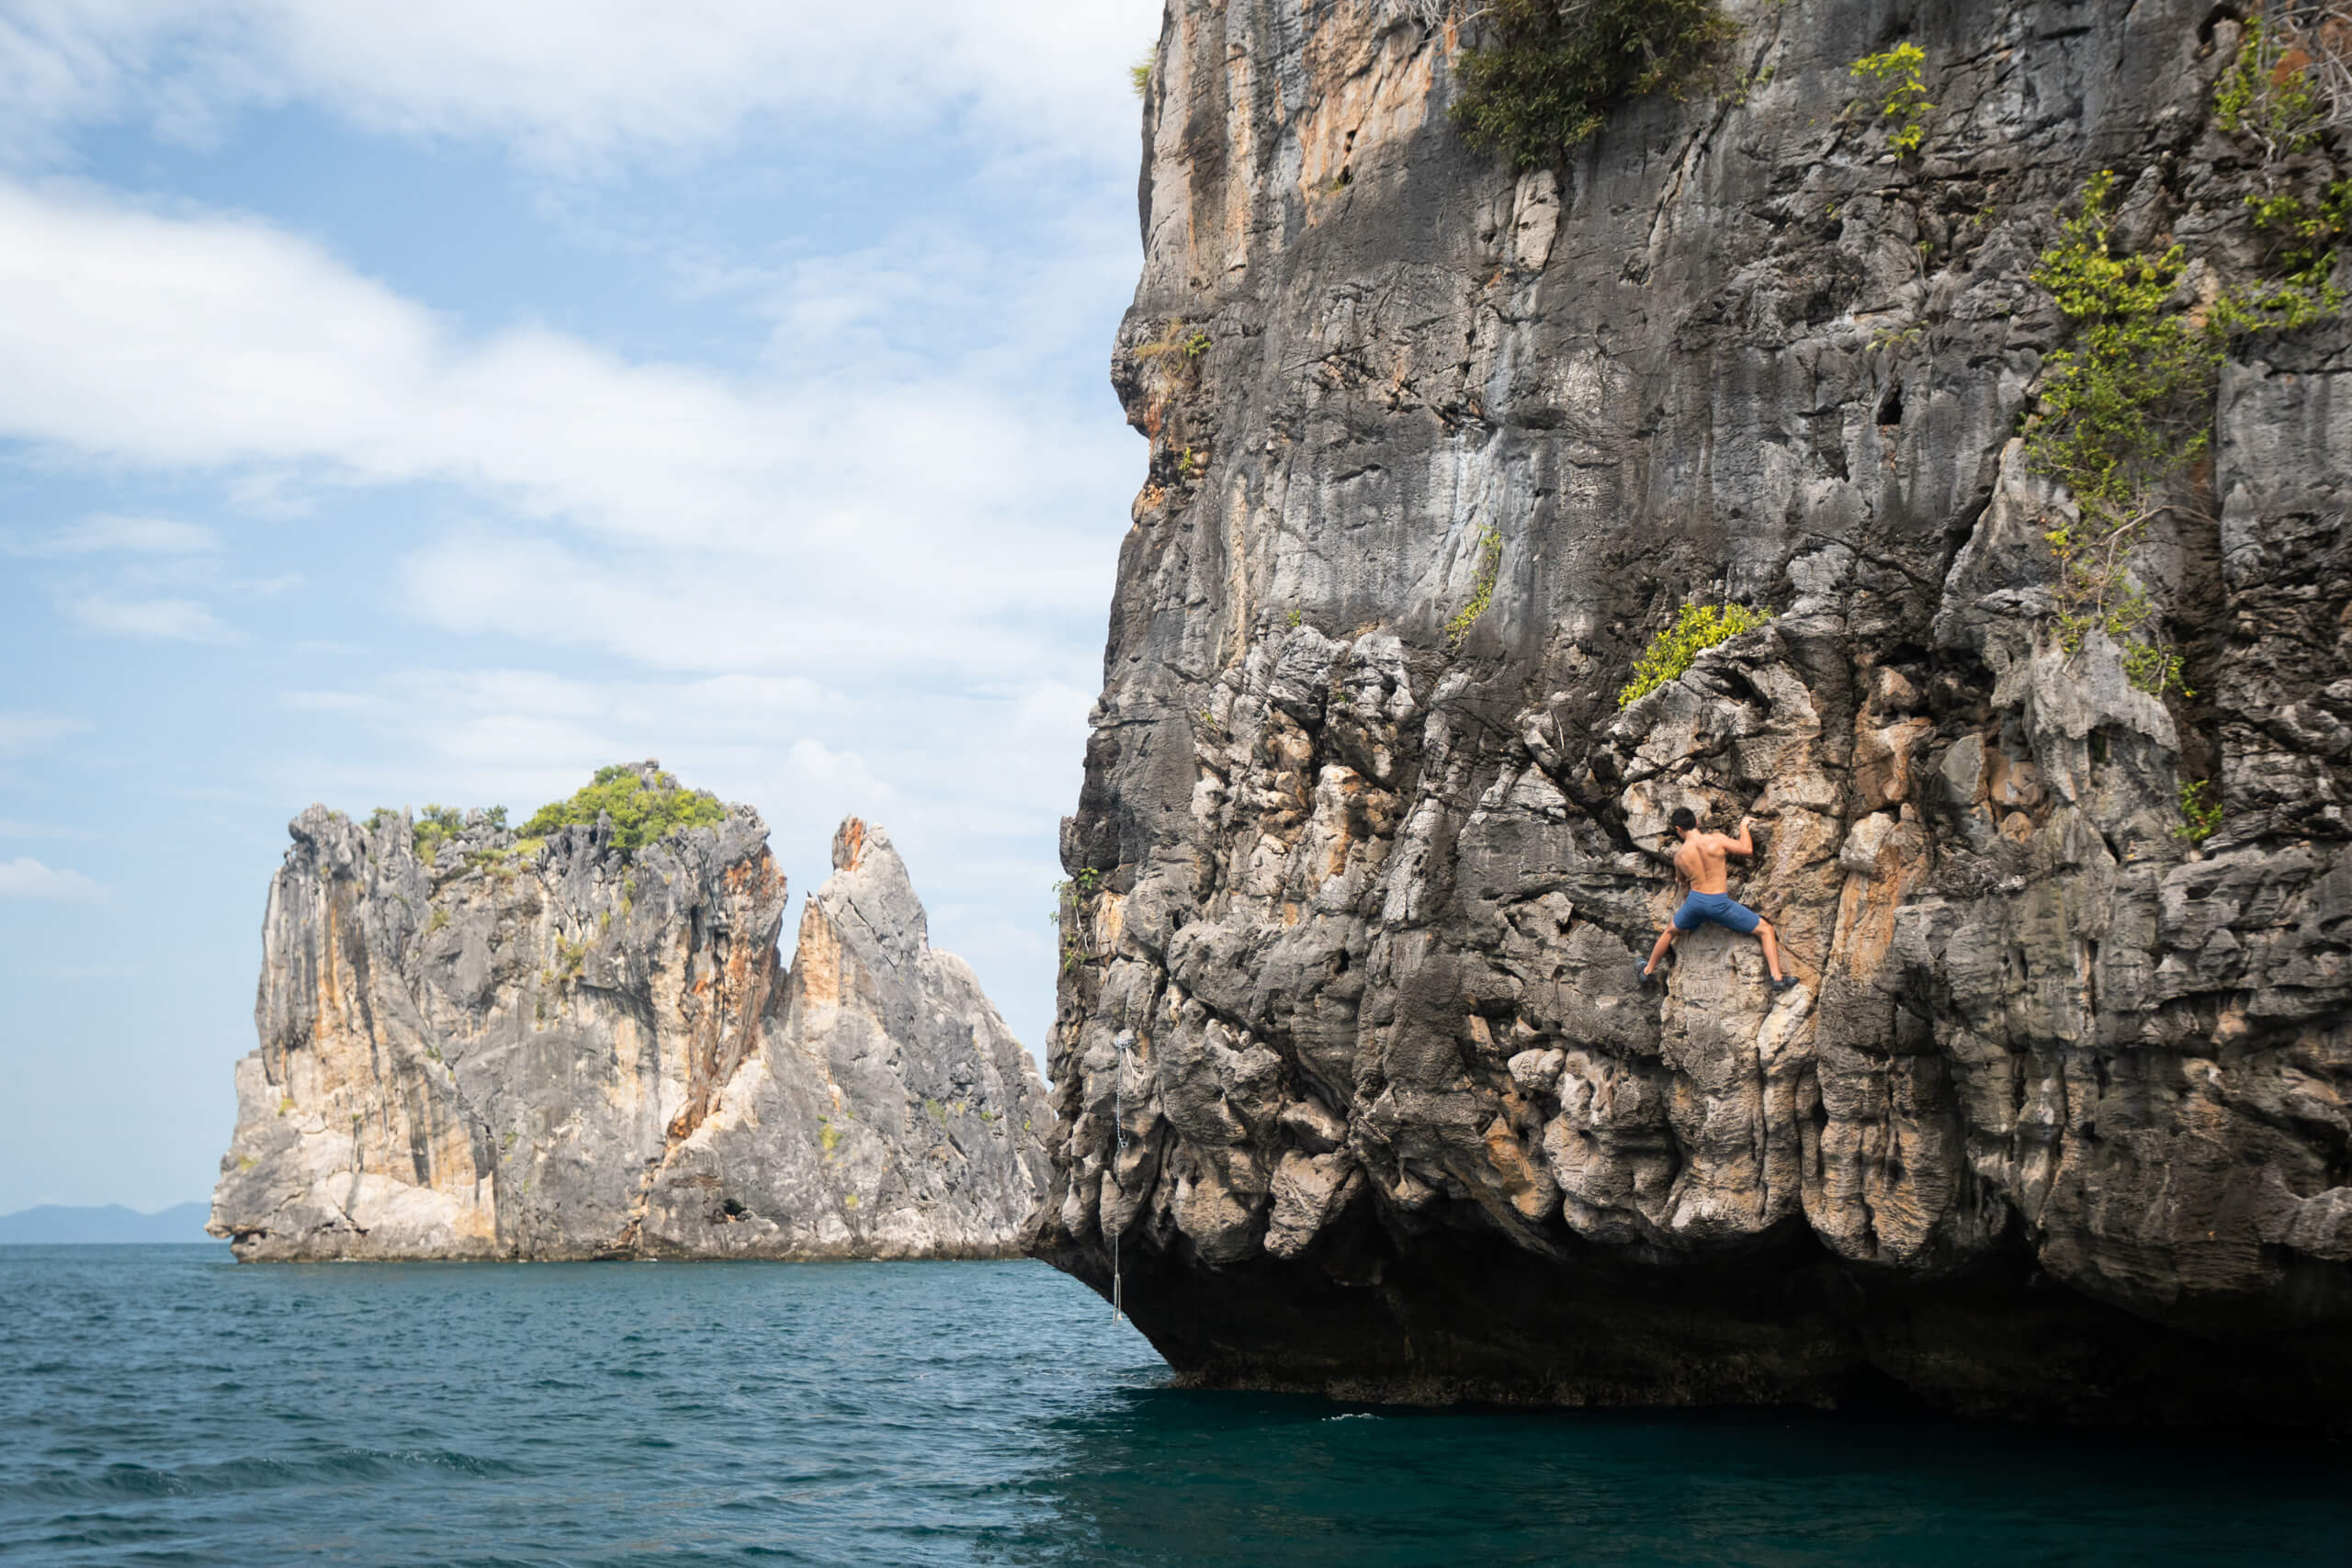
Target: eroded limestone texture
{"x":2057,"y":1121}
{"x":575,"y":1052}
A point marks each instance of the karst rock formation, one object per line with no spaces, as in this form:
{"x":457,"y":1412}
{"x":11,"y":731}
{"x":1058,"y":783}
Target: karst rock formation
{"x":570,"y":1051}
{"x":1368,"y":854}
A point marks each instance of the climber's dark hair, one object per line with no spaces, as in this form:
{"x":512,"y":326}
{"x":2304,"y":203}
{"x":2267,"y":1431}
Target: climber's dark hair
{"x":1682,"y":820}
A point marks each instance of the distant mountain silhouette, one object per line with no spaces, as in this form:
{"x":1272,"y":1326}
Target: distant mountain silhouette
{"x":51,"y":1224}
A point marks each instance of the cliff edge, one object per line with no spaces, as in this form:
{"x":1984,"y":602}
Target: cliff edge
{"x":1351,"y":1067}
{"x":486,"y":1045}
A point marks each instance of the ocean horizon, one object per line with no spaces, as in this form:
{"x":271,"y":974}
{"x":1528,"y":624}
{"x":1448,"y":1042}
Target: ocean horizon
{"x":167,"y":1406}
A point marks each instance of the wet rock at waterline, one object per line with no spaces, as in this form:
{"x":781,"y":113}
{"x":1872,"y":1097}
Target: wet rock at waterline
{"x":511,"y":1049}
{"x":1367,"y":854}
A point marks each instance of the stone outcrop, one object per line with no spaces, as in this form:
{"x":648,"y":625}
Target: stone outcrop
{"x":515,"y":1050}
{"x":2060,"y":1120}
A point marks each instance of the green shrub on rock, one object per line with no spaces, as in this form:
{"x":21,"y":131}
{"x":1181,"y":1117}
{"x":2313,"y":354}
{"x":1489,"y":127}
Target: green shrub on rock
{"x":1893,"y":78}
{"x":2128,"y":402}
{"x":645,"y":804}
{"x":434,"y":824}
{"x":2126,"y":407}
{"x":1548,"y":72}
{"x":1490,"y":561}
{"x":2200,"y":811}
{"x":1671,"y":653}
{"x":2269,"y":92}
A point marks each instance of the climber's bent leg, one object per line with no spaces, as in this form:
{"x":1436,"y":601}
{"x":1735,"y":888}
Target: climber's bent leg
{"x":1665,"y":940}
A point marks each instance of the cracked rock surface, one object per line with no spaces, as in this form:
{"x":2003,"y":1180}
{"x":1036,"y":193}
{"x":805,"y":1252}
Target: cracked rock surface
{"x":2059,"y":1121}
{"x":571,"y":1052}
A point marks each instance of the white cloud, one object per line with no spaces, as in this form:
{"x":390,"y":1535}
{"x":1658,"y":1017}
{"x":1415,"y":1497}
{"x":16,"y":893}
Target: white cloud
{"x":925,"y":522}
{"x":22,"y":732}
{"x":106,"y":533}
{"x":838,"y":772}
{"x":217,"y":341}
{"x":27,"y":878}
{"x":568,"y":81}
{"x":161,"y":620}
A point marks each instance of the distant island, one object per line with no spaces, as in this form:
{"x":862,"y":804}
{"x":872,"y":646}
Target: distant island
{"x":579,"y":1040}
{"x":63,"y":1225}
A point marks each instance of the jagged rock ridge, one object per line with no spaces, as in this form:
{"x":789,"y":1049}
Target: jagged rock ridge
{"x":2057,"y":1122}
{"x":504,"y":1052}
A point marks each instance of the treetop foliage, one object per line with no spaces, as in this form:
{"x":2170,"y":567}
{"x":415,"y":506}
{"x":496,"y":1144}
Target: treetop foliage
{"x":645,"y":804}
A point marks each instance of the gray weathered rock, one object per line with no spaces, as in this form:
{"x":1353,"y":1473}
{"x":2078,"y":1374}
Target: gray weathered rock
{"x":574,"y":1053}
{"x":2058,"y":1120}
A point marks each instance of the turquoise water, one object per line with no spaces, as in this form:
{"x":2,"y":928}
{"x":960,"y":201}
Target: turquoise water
{"x":162,"y":1406}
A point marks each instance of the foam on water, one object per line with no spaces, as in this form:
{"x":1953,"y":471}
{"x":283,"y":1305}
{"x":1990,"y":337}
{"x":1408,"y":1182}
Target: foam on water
{"x":162,"y":1406}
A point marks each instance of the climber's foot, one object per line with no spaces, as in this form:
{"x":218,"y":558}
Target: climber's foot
{"x":1784,"y":982}
{"x":1644,"y":979}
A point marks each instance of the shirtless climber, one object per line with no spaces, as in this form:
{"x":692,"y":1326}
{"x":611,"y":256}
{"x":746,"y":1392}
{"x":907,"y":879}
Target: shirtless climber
{"x":1700,"y":864}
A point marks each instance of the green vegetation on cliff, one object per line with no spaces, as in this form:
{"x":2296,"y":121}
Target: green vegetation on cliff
{"x":645,"y":804}
{"x":1490,"y":561}
{"x":2269,"y":92}
{"x":1900,"y":97}
{"x":1547,"y":73}
{"x":2127,"y":408}
{"x":1673,"y":650}
{"x":434,"y":825}
{"x":2129,"y":401}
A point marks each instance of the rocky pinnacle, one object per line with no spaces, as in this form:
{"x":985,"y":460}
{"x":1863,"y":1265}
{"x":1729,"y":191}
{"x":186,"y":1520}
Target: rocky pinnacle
{"x":504,"y":1050}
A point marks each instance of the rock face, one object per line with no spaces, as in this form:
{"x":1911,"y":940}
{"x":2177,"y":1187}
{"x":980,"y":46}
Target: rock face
{"x":2057,"y":1122}
{"x":571,"y":1052}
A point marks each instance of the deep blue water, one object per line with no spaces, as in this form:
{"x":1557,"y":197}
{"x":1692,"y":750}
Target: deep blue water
{"x":162,"y":1406}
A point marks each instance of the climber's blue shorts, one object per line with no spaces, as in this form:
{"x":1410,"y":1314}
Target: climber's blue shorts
{"x":1721,"y":908}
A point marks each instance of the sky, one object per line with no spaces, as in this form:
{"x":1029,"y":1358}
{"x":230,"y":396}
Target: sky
{"x":433,"y":400}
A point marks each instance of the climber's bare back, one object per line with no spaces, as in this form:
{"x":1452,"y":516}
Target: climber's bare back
{"x":1699,"y":861}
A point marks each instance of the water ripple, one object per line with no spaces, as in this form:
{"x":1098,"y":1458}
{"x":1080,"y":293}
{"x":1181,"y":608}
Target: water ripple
{"x":162,"y":1406}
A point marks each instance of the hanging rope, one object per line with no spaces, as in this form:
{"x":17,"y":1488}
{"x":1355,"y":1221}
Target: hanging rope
{"x":1125,"y":1041}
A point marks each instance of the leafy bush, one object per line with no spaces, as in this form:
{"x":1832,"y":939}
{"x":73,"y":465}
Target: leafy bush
{"x":1190,"y":344}
{"x":645,"y":804}
{"x":435,"y":824}
{"x":1893,"y":78}
{"x":2268,"y":92}
{"x":2200,"y":812}
{"x":1671,"y":653}
{"x":1490,"y":561}
{"x":1549,"y":73}
{"x":2128,"y":406}
{"x":2304,"y":237}
{"x":1139,"y":73}
{"x":2129,"y":401}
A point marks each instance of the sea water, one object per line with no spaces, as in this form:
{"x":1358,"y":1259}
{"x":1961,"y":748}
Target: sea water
{"x":164,"y":1405}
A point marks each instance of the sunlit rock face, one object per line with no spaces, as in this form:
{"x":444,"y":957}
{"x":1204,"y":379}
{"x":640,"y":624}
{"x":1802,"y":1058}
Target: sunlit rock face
{"x":573,"y":1052}
{"x":2056,"y":1123}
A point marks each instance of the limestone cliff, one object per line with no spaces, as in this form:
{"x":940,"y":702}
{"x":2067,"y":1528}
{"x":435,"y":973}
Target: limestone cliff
{"x":1367,"y":854}
{"x":568,"y":1050}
